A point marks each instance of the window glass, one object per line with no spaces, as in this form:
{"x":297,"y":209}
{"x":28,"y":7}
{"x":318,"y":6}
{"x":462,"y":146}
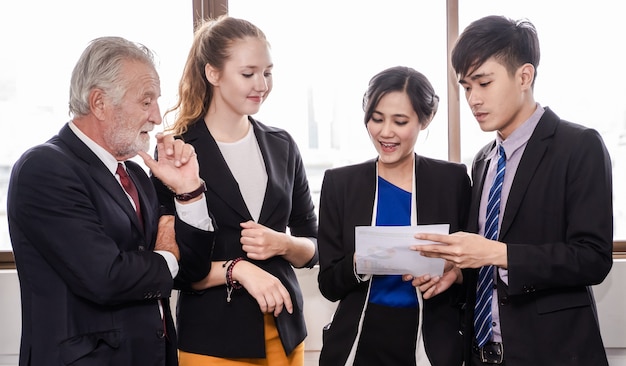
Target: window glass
{"x":579,"y":76}
{"x":324,"y":54}
{"x":42,"y":40}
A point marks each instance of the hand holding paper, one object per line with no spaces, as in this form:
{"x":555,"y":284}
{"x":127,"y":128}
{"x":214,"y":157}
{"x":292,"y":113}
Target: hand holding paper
{"x":384,"y":250}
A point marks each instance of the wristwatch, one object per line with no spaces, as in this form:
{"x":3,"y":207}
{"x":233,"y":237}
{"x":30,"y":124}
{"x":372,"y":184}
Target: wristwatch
{"x":192,"y":194}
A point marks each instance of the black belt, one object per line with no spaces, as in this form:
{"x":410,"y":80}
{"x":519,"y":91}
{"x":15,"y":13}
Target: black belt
{"x":491,"y":352}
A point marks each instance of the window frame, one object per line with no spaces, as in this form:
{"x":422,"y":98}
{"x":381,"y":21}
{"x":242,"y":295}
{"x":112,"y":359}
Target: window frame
{"x":7,"y":261}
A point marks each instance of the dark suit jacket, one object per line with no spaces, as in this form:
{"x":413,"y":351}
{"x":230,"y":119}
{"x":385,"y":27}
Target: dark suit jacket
{"x":90,"y":282}
{"x":557,"y":225}
{"x":208,"y":324}
{"x":347,"y":201}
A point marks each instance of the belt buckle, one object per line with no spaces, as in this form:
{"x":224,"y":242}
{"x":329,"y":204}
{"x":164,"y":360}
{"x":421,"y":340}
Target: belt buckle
{"x":491,"y":352}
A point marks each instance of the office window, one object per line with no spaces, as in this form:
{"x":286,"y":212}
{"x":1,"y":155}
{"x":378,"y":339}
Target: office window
{"x":324,"y":54}
{"x":42,"y":40}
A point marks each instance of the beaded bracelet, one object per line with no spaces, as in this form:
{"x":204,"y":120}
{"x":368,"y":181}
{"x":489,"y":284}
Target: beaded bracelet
{"x":230,"y":284}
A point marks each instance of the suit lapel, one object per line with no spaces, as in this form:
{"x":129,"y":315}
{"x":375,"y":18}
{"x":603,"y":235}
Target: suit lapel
{"x":479,"y":171}
{"x":275,"y":155}
{"x":533,"y":154}
{"x":221,"y":183}
{"x":364,"y":208}
{"x":147,"y":212}
{"x":109,"y":184}
{"x":101,"y":175}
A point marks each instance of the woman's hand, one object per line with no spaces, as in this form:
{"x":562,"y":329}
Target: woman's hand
{"x":261,"y":242}
{"x":432,"y":286}
{"x":266,"y":289}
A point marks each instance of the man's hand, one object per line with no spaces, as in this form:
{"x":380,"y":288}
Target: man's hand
{"x":177,"y":166}
{"x":464,"y":250}
{"x":166,"y":237}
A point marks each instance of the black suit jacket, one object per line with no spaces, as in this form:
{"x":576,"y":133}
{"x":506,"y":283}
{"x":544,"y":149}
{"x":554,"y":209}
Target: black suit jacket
{"x":90,"y":282}
{"x":207,"y":323}
{"x":347,"y":201}
{"x":558,"y":227}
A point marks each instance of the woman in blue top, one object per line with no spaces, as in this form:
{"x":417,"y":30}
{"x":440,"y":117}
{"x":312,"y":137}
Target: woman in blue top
{"x":382,"y":320}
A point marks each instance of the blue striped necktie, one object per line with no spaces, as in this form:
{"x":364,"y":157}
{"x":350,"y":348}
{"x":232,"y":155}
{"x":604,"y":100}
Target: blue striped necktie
{"x":484,"y":289}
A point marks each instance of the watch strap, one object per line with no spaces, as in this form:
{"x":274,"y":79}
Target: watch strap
{"x":193,"y":194}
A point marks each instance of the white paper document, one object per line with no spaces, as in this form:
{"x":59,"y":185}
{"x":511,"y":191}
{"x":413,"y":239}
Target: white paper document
{"x":384,"y":250}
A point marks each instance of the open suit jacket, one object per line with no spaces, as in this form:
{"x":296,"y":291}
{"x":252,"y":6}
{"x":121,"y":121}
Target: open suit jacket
{"x":557,"y":225}
{"x":207,"y":323}
{"x":90,"y":282}
{"x":347,"y":201}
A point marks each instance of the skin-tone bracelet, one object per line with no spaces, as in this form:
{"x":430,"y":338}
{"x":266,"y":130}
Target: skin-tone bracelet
{"x":230,"y":284}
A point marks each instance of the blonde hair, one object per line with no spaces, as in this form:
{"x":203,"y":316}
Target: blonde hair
{"x":211,"y":45}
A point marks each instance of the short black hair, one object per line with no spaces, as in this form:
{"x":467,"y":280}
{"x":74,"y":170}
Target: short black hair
{"x":512,"y":42}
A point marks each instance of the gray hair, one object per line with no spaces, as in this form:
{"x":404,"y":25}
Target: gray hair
{"x":99,"y":67}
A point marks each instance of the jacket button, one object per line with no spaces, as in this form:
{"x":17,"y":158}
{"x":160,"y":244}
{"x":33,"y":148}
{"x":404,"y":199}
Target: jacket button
{"x":528,"y":289}
{"x":160,"y":333}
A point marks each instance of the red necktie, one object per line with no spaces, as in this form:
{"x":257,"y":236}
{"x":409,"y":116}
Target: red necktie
{"x":130,"y":188}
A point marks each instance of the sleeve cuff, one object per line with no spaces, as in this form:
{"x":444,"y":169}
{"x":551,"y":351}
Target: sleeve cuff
{"x":172,"y":263}
{"x":195,"y":214}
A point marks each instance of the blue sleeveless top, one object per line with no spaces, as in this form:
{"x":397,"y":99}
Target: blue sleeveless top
{"x":394,"y":209}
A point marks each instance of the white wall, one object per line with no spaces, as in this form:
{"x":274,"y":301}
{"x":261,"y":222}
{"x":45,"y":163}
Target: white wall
{"x":10,"y":321}
{"x":610,"y":297}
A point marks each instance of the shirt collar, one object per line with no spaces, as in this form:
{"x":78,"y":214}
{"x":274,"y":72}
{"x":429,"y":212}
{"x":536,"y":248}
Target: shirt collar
{"x":520,"y":136}
{"x":106,"y":157}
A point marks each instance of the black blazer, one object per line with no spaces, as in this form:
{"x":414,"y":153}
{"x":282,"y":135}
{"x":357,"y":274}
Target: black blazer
{"x":208,"y":324}
{"x":347,"y":201}
{"x":90,"y":282}
{"x":558,"y":227}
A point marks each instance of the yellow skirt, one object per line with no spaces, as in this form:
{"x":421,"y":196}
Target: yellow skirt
{"x":274,"y":353}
